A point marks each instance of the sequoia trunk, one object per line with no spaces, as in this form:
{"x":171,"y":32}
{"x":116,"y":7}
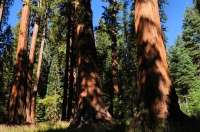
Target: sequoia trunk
{"x":90,"y":104}
{"x":18,"y":95}
{"x":155,"y":87}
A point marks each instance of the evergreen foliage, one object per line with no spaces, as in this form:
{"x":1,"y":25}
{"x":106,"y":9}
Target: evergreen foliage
{"x":163,"y":17}
{"x":6,"y":72}
{"x":183,"y":60}
{"x":183,"y":73}
{"x":190,"y":34}
{"x":53,"y":99}
{"x":6,"y":14}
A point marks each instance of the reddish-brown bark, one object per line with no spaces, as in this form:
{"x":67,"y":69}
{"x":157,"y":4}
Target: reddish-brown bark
{"x":35,"y":88}
{"x":155,"y":87}
{"x":18,"y":95}
{"x":90,"y":103}
{"x":30,"y":69}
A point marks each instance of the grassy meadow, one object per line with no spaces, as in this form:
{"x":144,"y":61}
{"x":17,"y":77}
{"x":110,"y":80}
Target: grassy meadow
{"x":40,"y":127}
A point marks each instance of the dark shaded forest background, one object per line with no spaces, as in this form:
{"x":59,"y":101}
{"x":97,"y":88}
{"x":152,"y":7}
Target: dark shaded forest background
{"x":116,"y":50}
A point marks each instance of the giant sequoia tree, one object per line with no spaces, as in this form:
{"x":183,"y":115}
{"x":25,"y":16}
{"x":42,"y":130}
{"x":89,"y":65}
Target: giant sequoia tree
{"x":90,"y":103}
{"x":155,"y":89}
{"x":17,"y":100}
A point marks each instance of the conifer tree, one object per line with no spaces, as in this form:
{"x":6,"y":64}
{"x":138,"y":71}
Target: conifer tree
{"x":69,"y":68}
{"x":4,"y":13}
{"x":6,"y":72}
{"x":110,"y":16}
{"x":90,"y":104}
{"x":17,"y":100}
{"x":183,"y":72}
{"x":1,"y":11}
{"x":155,"y":89}
{"x":35,"y":88}
{"x":103,"y":46}
{"x":30,"y":105}
{"x":197,"y":4}
{"x":190,"y":34}
{"x":127,"y":62}
{"x":53,"y":99}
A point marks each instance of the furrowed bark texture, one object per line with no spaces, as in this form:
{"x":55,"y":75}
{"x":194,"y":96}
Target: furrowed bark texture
{"x":90,"y":104}
{"x":18,"y":94}
{"x":155,"y":87}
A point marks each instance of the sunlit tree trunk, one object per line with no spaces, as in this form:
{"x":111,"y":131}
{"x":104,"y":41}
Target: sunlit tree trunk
{"x":90,"y":103}
{"x":30,"y":67}
{"x":155,"y":89}
{"x":18,"y":95}
{"x":35,"y":88}
{"x":1,"y":11}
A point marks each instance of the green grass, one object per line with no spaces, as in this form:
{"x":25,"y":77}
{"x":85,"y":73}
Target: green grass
{"x":129,"y":126}
{"x":63,"y":127}
{"x":40,"y":127}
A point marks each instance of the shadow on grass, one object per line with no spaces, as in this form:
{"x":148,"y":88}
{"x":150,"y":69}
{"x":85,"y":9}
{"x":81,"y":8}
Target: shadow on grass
{"x":93,"y":127}
{"x":135,"y":125}
{"x":192,"y":126}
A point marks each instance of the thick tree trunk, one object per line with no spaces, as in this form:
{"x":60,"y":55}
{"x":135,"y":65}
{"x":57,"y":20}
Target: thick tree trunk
{"x":155,"y":88}
{"x":30,"y":68}
{"x":35,"y":89}
{"x":90,"y":104}
{"x":1,"y":12}
{"x":18,"y":93}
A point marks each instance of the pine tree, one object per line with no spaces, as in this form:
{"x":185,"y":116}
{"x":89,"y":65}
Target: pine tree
{"x":55,"y":42}
{"x":127,"y":63}
{"x":163,"y":17}
{"x":6,"y":72}
{"x":183,"y":72}
{"x":53,"y":99}
{"x":190,"y":34}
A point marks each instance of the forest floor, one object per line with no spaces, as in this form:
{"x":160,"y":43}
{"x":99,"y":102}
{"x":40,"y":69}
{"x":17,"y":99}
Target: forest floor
{"x":40,"y":127}
{"x":130,"y":126}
